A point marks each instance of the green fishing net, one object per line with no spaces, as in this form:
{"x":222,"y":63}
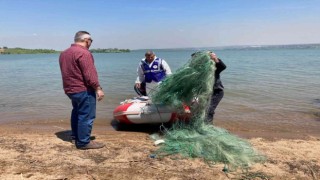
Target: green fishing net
{"x":192,"y":85}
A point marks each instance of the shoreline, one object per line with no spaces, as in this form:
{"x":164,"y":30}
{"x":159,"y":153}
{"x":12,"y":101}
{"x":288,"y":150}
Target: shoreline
{"x":247,"y":129}
{"x":43,"y":150}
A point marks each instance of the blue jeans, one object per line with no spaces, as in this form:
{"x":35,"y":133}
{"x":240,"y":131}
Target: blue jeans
{"x":82,"y":116}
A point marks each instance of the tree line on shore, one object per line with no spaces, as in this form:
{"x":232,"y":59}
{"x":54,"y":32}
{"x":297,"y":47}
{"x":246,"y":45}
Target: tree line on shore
{"x":109,"y":50}
{"x":6,"y":50}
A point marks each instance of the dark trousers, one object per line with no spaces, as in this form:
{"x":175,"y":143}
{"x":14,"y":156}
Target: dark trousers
{"x":82,"y":116}
{"x":214,"y":101}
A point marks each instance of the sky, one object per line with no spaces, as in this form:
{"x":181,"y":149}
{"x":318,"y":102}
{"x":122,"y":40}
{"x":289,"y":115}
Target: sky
{"x":145,"y":24}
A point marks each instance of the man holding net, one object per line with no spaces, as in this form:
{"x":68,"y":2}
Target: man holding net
{"x":217,"y":93}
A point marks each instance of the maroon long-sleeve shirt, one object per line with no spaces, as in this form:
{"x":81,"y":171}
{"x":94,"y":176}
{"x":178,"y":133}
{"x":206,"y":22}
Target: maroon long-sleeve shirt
{"x":78,"y":70}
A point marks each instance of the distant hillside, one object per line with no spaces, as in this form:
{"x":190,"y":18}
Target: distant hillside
{"x":109,"y":50}
{"x":6,"y":50}
{"x":241,"y":47}
{"x":288,"y":46}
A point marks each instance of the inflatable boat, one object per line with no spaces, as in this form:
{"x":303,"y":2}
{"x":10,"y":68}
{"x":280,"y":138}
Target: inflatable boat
{"x":140,"y":110}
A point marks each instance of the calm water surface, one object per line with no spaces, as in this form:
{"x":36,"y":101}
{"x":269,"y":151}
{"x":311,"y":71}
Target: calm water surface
{"x":266,"y":86}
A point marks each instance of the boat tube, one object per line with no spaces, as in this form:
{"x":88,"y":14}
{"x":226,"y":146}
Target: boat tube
{"x":140,"y":110}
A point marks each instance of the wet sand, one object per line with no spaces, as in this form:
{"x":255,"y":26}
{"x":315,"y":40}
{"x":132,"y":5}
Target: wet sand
{"x":43,"y":150}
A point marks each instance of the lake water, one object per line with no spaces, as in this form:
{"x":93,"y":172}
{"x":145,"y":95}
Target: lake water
{"x":263,"y":86}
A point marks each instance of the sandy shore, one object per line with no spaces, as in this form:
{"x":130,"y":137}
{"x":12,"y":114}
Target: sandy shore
{"x":42,"y":150}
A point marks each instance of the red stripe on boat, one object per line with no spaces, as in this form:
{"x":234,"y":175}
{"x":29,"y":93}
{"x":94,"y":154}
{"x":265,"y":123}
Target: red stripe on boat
{"x":121,"y":109}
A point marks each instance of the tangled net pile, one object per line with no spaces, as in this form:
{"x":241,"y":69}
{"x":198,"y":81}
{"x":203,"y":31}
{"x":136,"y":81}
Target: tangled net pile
{"x":192,"y":85}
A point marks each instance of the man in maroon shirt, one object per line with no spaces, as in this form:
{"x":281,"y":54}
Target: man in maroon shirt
{"x":81,"y":85}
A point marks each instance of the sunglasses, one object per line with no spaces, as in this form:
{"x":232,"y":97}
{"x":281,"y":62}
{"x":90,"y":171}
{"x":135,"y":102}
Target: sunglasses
{"x":89,"y":39}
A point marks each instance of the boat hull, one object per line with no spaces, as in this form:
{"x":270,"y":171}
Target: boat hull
{"x":142,"y":111}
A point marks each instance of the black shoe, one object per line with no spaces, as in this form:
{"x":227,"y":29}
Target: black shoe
{"x":208,"y":121}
